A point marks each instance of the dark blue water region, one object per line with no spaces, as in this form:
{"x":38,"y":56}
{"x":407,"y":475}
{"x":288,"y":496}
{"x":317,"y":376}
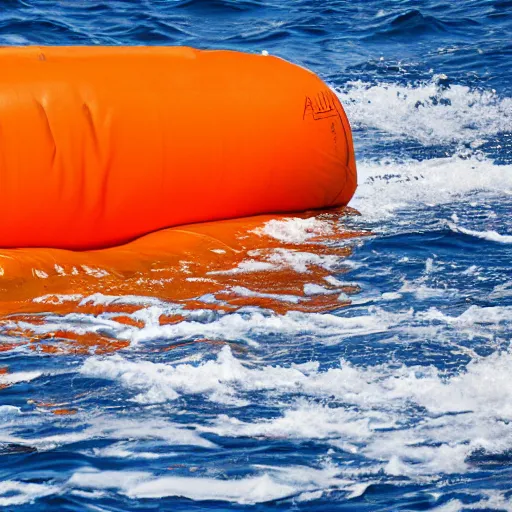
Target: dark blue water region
{"x":399,"y":401}
{"x":399,"y":40}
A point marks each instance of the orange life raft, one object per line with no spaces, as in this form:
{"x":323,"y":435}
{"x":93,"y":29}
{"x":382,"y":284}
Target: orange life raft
{"x":99,"y":145}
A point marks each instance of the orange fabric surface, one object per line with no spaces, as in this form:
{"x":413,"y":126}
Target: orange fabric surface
{"x":100,"y":145}
{"x":220,"y":266}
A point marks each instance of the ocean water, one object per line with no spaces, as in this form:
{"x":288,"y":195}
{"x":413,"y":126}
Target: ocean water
{"x":400,"y":398}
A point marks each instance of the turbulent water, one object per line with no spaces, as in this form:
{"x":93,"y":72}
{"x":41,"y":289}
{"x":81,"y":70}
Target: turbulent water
{"x":400,"y":399}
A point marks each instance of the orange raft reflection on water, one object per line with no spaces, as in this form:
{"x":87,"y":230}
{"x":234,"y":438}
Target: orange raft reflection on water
{"x":235,"y":264}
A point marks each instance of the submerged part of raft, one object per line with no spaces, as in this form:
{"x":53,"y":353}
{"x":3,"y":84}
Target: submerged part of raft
{"x":67,"y":302}
{"x":100,"y":145}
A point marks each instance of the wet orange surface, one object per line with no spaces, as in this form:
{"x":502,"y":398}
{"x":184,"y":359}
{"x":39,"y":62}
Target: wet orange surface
{"x":123,"y":141}
{"x":233,"y":261}
{"x":64,"y":412}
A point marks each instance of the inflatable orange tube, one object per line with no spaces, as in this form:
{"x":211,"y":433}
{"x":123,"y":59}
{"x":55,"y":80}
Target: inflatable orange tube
{"x":100,"y":145}
{"x":222,"y":266}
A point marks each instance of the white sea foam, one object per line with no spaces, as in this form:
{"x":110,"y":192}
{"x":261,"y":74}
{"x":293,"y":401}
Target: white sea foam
{"x":57,"y":298}
{"x":301,"y":261}
{"x":245,"y":292}
{"x":426,"y":112}
{"x":493,"y":500}
{"x":123,"y":450}
{"x":225,"y":376}
{"x":110,"y":427}
{"x":491,"y":236}
{"x":270,"y":483}
{"x":9,"y":410}
{"x":501,"y":291}
{"x":161,"y":382}
{"x":422,"y":291}
{"x":388,"y":186}
{"x":295,"y":230}
{"x":334,"y":329}
{"x":283,"y":258}
{"x":373,"y":406}
{"x":14,"y":378}
{"x":306,"y":421}
{"x":246,"y":266}
{"x":106,"y":300}
{"x":413,"y":422}
{"x":14,"y":493}
{"x":407,"y":422}
{"x":329,"y":328}
{"x":464,"y":414}
{"x":78,"y":323}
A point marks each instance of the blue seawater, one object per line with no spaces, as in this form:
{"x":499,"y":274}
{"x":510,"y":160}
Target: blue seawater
{"x":400,"y":401}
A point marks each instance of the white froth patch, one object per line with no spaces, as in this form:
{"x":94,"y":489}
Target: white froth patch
{"x":95,"y":272}
{"x":241,"y":291}
{"x":306,"y":421}
{"x":426,"y":112}
{"x":14,"y":493}
{"x":258,"y":489}
{"x":7,"y":411}
{"x":494,"y":318}
{"x":388,"y":186}
{"x":246,"y":266}
{"x":99,"y":299}
{"x":249,"y":328}
{"x":123,"y":450}
{"x":79,"y":324}
{"x":501,"y":291}
{"x":220,"y":379}
{"x":57,"y":299}
{"x":301,"y":261}
{"x":272,"y":483}
{"x":333,"y":329}
{"x":7,"y":379}
{"x":114,"y":428}
{"x":493,"y":500}
{"x":311,"y":289}
{"x":295,"y":230}
{"x":462,"y":414}
{"x":281,"y":258}
{"x":421,"y":291}
{"x":491,"y":236}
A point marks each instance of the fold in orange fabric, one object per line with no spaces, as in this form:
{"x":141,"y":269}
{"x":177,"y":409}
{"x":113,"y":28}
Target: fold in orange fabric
{"x":101,"y":145}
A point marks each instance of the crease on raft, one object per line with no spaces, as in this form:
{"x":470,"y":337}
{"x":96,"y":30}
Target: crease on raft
{"x":223,"y":266}
{"x":119,"y":161}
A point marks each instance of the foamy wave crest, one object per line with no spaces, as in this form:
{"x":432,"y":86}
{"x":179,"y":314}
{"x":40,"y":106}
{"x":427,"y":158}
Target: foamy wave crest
{"x":491,"y":236}
{"x":462,"y":415}
{"x":249,"y":327}
{"x":18,"y":493}
{"x":325,"y":329}
{"x":388,"y":186}
{"x":7,"y":379}
{"x":271,"y":483}
{"x":406,"y":421}
{"x":107,"y":427}
{"x":227,"y":379}
{"x":493,"y":500}
{"x":429,"y":112}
